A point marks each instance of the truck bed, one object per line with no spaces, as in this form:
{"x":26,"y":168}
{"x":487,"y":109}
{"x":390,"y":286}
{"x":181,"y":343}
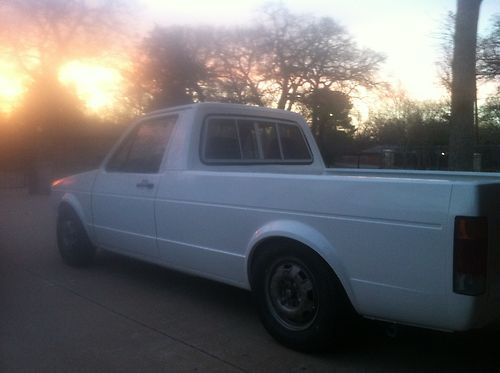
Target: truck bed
{"x":466,"y":177}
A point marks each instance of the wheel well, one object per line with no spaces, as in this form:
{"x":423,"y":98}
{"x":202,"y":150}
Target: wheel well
{"x":275,"y":243}
{"x":65,"y":207}
{"x":280,"y":242}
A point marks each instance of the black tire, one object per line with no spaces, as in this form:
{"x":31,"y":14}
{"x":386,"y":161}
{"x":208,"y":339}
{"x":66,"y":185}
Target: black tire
{"x":300,"y":300}
{"x":74,"y":245}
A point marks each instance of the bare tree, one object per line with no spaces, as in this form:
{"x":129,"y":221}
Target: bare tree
{"x":43,"y":34}
{"x":277,"y":62}
{"x":236,"y":67}
{"x":172,"y":68}
{"x":446,"y":46}
{"x":489,"y":53}
{"x":40,"y":36}
{"x":463,"y":90}
{"x":305,"y":53}
{"x":183,"y":64}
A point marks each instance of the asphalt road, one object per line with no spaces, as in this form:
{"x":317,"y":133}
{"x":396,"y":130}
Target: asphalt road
{"x":122,"y":315}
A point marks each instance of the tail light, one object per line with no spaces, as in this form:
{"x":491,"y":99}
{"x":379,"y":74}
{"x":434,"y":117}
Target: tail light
{"x":470,"y":255}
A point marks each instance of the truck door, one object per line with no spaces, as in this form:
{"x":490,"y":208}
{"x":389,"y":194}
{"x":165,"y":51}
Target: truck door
{"x":125,"y":188}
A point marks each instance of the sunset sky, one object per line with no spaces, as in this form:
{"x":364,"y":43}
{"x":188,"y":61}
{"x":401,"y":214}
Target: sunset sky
{"x":405,"y":31}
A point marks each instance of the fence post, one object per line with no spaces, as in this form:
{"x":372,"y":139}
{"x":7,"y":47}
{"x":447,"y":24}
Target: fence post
{"x":388,"y":158}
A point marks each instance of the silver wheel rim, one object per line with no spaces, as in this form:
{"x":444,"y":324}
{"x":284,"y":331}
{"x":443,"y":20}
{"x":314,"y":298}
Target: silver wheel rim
{"x":292,"y":296}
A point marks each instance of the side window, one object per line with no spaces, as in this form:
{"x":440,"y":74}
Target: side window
{"x":253,"y":141}
{"x":142,"y":151}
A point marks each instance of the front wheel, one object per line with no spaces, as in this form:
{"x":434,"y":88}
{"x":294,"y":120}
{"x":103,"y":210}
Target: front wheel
{"x":300,"y":301}
{"x":72,"y":240}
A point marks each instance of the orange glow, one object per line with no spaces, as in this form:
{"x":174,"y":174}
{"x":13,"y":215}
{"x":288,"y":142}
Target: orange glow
{"x":11,"y":89}
{"x":97,"y":85}
{"x":57,"y":182}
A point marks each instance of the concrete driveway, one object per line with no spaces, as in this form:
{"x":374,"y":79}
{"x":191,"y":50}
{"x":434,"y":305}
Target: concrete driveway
{"x":122,"y":315}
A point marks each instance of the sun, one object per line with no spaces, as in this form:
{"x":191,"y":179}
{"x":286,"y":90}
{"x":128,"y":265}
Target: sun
{"x":12,"y":89}
{"x":98,"y":86}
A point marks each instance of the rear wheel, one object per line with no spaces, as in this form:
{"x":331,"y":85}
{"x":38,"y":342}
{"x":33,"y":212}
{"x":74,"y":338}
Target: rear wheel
{"x":72,"y":240}
{"x":300,"y":300}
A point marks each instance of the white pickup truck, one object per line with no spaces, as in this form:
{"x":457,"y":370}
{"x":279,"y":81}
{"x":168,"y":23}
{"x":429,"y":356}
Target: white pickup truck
{"x":240,"y":194}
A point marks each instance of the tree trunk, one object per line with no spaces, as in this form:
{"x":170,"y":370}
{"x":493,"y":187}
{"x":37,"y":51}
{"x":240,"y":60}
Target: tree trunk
{"x":283,"y":94}
{"x":463,"y":88}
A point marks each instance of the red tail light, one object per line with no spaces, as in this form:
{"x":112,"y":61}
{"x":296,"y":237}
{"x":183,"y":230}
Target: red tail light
{"x":470,"y":255}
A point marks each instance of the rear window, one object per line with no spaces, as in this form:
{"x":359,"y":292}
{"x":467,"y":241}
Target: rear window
{"x":235,"y":140}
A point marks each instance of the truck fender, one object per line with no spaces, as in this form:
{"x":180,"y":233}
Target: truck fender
{"x":74,"y":203}
{"x":306,"y":235}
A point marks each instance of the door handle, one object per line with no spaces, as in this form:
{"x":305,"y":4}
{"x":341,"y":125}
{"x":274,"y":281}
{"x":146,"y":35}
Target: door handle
{"x":145,"y":184}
